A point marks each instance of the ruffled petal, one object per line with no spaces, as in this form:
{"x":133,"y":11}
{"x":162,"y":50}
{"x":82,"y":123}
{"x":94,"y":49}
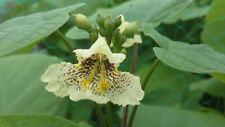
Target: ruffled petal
{"x":123,"y":23}
{"x":132,"y":94}
{"x":123,"y":87}
{"x":66,"y":79}
{"x":130,"y":41}
{"x":100,"y":47}
{"x":54,"y":75}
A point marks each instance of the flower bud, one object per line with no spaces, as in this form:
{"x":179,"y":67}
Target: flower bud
{"x":93,"y":36}
{"x":102,"y":32}
{"x":116,"y":34}
{"x":118,"y":22}
{"x":131,"y":28}
{"x":122,"y":39}
{"x":109,"y":24}
{"x":100,"y":21}
{"x":82,"y":22}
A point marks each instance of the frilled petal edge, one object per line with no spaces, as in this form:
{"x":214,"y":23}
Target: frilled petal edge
{"x":100,"y":47}
{"x":59,"y":81}
{"x":130,"y":41}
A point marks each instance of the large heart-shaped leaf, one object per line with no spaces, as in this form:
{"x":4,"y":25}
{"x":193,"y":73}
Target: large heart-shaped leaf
{"x":221,"y":77}
{"x":81,"y":111}
{"x":21,"y":90}
{"x":170,"y":91}
{"x":192,"y":58}
{"x":170,"y":78}
{"x":34,"y":121}
{"x":151,"y":11}
{"x":197,"y":58}
{"x":22,"y":31}
{"x":151,"y":116}
{"x":211,"y":86}
{"x":214,"y":31}
{"x":191,"y":12}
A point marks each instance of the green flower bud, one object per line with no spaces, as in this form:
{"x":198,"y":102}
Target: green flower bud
{"x":116,"y":35}
{"x":118,"y":22}
{"x":100,"y":21}
{"x":131,"y":28}
{"x":122,"y":39}
{"x":109,"y":24}
{"x":94,"y":29}
{"x":82,"y":22}
{"x":102,"y":32}
{"x":93,"y":36}
{"x":118,"y":38}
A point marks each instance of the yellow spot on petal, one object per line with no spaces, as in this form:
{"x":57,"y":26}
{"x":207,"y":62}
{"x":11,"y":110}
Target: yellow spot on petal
{"x":88,"y":80}
{"x":116,"y":70}
{"x":84,"y":83}
{"x":103,"y":84}
{"x":79,"y":65}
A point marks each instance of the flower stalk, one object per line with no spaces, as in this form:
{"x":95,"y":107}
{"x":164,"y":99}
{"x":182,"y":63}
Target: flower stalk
{"x":133,"y":113}
{"x":132,"y":69}
{"x":100,"y":115}
{"x":66,"y":42}
{"x":109,"y":114}
{"x":63,"y":38}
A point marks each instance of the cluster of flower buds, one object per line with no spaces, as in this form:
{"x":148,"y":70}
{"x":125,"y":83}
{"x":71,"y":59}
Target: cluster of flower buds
{"x":107,"y":26}
{"x":116,"y":31}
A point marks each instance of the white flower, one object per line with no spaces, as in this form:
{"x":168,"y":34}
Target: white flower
{"x":130,"y":41}
{"x":95,"y":77}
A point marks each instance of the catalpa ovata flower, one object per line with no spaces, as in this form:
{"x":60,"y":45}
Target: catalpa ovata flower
{"x":95,"y":77}
{"x":130,"y":41}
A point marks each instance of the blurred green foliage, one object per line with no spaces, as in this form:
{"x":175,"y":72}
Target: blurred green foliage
{"x":170,"y":93}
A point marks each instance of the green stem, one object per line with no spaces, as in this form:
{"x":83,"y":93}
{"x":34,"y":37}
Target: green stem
{"x":66,"y":42}
{"x":154,"y":65}
{"x":99,"y":115}
{"x":156,"y":62}
{"x":132,"y":69}
{"x":192,"y":31}
{"x":109,"y":114}
{"x":63,"y":38}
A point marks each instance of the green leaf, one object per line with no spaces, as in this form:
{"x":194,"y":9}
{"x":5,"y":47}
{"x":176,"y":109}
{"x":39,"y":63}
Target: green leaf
{"x":191,"y":12}
{"x":162,"y":41}
{"x":170,"y":91}
{"x":192,"y":58}
{"x":81,"y":111}
{"x":144,"y":11}
{"x":151,"y":116}
{"x":83,"y":124}
{"x":45,"y":5}
{"x":221,"y":77}
{"x":170,"y":78}
{"x":34,"y":121}
{"x":152,"y":11}
{"x":211,"y":86}
{"x":21,"y":90}
{"x":77,"y":34}
{"x":214,"y":31}
{"x":22,"y":31}
{"x":196,"y":58}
